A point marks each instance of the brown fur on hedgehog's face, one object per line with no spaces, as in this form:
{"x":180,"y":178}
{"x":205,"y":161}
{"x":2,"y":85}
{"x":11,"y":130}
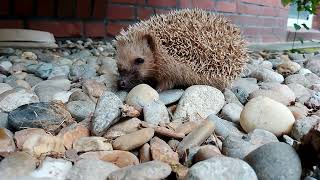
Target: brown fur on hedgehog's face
{"x":135,"y":61}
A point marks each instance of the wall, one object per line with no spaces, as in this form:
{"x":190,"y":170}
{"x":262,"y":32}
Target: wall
{"x":260,"y":20}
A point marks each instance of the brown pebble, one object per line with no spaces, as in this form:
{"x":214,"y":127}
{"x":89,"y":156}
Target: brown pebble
{"x":133,"y":140}
{"x":187,"y":127}
{"x":173,"y":143}
{"x":144,"y":153}
{"x":22,"y":135}
{"x":161,"y":151}
{"x":206,"y":152}
{"x":168,"y":133}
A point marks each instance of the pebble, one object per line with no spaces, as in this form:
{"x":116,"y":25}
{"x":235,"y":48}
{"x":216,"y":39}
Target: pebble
{"x":145,"y":153}
{"x":23,"y":84}
{"x":123,"y":128}
{"x":93,"y":88}
{"x":155,"y":113}
{"x":62,"y":96}
{"x":313,"y":65}
{"x":141,"y":95}
{"x":122,"y":95}
{"x":38,"y":145}
{"x":301,"y":92}
{"x":45,"y":93}
{"x":230,"y":97}
{"x":265,"y":113}
{"x":196,"y":137}
{"x":241,"y":94}
{"x":72,"y":133}
{"x":117,"y":157}
{"x":274,"y":161}
{"x":21,"y":136}
{"x":206,"y":152}
{"x":7,"y":144}
{"x":247,"y":84}
{"x":299,"y":79}
{"x":12,"y":99}
{"x":16,"y":165}
{"x":161,"y":151}
{"x":48,"y":116}
{"x":303,"y":126}
{"x":163,"y":131}
{"x":170,"y":96}
{"x":44,"y":70}
{"x":6,"y":65}
{"x":85,"y":144}
{"x":80,"y":110}
{"x":274,"y":95}
{"x":267,"y":75}
{"x":299,"y":110}
{"x":198,"y":102}
{"x":29,"y":55}
{"x":96,"y":169}
{"x":223,"y":127}
{"x":312,"y":78}
{"x":304,"y":71}
{"x":233,"y":169}
{"x":288,"y":67}
{"x":52,"y":168}
{"x":4,"y":120}
{"x":133,"y":140}
{"x":147,"y":170}
{"x":239,"y":147}
{"x":314,"y":101}
{"x":107,"y":112}
{"x":83,"y":71}
{"x":231,"y":112}
{"x":79,"y":96}
{"x":62,"y":84}
{"x":32,"y":80}
{"x":284,"y":90}
{"x":59,"y":71}
{"x":4,"y":87}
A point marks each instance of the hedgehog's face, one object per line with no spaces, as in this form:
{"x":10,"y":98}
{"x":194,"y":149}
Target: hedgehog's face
{"x":135,"y":62}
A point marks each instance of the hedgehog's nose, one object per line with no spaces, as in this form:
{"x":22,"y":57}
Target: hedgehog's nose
{"x":122,"y":84}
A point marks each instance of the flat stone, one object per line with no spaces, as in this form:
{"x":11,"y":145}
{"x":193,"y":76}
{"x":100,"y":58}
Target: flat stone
{"x":141,"y":95}
{"x":265,"y":113}
{"x":107,"y":112}
{"x":233,"y":169}
{"x":275,"y":160}
{"x":44,"y":70}
{"x":16,"y":165}
{"x":52,"y":168}
{"x":7,"y":144}
{"x":85,"y":144}
{"x":83,"y":71}
{"x":72,"y":133}
{"x":196,"y":137}
{"x":63,"y":84}
{"x":147,"y":170}
{"x":133,"y":140}
{"x":299,"y":111}
{"x":96,"y":169}
{"x":186,"y":127}
{"x":117,"y":157}
{"x":45,"y":93}
{"x":38,"y":145}
{"x":163,"y":131}
{"x":48,"y":116}
{"x":170,"y":96}
{"x":198,"y":102}
{"x":79,"y":96}
{"x":230,"y":97}
{"x":161,"y":151}
{"x":62,"y":96}
{"x":239,"y":147}
{"x":299,"y":79}
{"x":223,"y":127}
{"x":21,"y":136}
{"x":155,"y":113}
{"x":93,"y":88}
{"x":274,"y":95}
{"x":81,"y":110}
{"x":12,"y":99}
{"x":123,"y":128}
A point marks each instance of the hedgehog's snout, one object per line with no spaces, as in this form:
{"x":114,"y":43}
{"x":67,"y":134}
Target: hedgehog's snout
{"x":122,"y":84}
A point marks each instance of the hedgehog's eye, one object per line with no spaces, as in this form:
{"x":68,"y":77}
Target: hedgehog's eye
{"x":138,"y":61}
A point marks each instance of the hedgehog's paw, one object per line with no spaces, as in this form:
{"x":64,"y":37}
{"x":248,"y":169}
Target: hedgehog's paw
{"x":164,"y":85}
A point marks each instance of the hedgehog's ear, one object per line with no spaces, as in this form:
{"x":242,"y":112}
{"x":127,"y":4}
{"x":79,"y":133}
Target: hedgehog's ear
{"x":150,"y":41}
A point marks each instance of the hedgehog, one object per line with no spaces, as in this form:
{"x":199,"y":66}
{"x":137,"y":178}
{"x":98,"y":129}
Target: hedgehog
{"x":179,"y":49}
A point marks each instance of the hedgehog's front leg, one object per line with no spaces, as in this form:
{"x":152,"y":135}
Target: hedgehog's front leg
{"x":164,"y":85}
